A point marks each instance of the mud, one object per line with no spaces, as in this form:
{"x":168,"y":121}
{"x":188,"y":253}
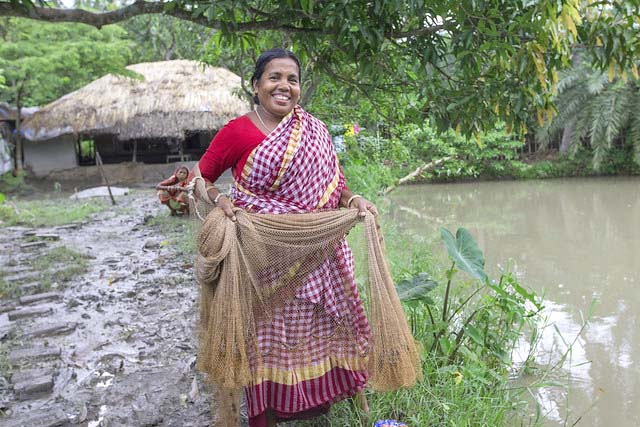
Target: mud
{"x":115,"y":346}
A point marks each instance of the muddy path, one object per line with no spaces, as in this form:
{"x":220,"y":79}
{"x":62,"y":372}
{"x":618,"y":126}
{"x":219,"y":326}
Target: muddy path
{"x":112,"y":346}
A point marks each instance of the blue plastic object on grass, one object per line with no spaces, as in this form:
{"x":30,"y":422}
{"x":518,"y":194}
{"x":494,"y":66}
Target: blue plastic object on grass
{"x":389,"y":423}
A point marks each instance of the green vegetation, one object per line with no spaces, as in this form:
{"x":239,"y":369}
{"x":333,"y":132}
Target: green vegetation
{"x":467,"y":325}
{"x":466,"y":64}
{"x":42,"y":61}
{"x":6,"y":369}
{"x":60,"y":264}
{"x":596,"y":110}
{"x":10,"y":184}
{"x":49,"y":212}
{"x":372,"y":163}
{"x":87,"y":152}
{"x":8,"y":289}
{"x":178,"y":231}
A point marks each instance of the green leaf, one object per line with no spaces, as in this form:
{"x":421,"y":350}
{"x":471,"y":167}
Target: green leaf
{"x":475,"y":334}
{"x":464,"y":251}
{"x":416,"y":288}
{"x":445,"y":345}
{"x":503,"y":356}
{"x":2,"y":198}
{"x":529,"y":296}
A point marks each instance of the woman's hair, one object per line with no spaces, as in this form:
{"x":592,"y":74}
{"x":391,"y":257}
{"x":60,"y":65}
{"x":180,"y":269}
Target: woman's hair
{"x":267,"y":57}
{"x":179,"y":168}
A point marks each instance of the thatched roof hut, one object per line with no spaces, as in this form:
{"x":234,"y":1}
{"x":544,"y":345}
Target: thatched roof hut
{"x":174,"y":97}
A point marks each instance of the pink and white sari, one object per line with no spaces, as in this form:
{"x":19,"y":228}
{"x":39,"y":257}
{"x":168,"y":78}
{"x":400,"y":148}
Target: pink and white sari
{"x":295,"y":170}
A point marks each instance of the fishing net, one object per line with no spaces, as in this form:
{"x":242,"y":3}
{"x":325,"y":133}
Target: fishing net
{"x":261,"y":314}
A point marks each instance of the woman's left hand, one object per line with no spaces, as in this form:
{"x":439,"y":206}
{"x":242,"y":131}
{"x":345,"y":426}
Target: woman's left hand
{"x":363,"y":205}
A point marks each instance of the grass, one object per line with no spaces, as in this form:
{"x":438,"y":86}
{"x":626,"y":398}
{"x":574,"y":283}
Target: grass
{"x":8,"y":289}
{"x":59,"y":265}
{"x":178,"y":231}
{"x":50,"y":212}
{"x":14,"y":184}
{"x":6,"y":369}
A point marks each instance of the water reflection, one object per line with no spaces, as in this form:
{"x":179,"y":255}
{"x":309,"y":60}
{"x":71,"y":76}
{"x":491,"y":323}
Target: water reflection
{"x":579,"y":241}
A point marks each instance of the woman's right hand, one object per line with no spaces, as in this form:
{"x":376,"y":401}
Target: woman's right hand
{"x":226,"y":205}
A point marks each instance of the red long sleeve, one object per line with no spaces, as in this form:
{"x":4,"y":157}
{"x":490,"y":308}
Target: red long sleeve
{"x":230,"y":148}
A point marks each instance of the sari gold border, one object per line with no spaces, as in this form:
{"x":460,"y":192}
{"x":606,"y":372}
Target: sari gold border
{"x":241,"y":189}
{"x":294,"y":141}
{"x":331,"y":188}
{"x":305,"y":373}
{"x":248,"y":165}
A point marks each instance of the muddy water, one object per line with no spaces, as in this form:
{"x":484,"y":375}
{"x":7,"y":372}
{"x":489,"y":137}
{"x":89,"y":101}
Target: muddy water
{"x":578,"y":242}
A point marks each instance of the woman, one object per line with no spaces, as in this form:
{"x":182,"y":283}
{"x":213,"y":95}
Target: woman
{"x":283,"y":161}
{"x":173,"y":191}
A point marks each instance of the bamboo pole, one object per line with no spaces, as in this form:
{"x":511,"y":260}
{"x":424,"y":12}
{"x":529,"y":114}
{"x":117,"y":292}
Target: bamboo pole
{"x":99,"y":163}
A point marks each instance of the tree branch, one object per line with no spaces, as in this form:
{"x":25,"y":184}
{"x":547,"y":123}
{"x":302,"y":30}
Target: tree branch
{"x":98,"y":20}
{"x":140,"y":7}
{"x":424,"y":168}
{"x":174,"y":8}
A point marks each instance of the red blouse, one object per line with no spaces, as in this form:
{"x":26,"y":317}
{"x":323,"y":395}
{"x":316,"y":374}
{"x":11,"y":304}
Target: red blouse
{"x":230,"y":148}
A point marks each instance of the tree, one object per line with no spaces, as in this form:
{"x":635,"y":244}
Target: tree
{"x":41,"y":62}
{"x":469,"y":63}
{"x":598,"y":109}
{"x":162,"y":38}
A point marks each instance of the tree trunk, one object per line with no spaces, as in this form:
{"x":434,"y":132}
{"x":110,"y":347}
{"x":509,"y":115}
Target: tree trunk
{"x":308,"y":93}
{"x":567,"y":136}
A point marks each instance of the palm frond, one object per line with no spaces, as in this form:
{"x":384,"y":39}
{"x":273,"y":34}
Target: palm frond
{"x":596,"y":83}
{"x":634,"y":124}
{"x":610,"y":119}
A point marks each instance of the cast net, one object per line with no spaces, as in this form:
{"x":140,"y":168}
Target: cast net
{"x":277,"y":299}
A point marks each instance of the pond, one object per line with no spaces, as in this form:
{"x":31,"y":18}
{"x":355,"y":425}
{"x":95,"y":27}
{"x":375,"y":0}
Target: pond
{"x":577,"y":243}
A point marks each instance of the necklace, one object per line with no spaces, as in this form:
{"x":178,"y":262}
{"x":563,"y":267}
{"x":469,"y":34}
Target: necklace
{"x":263,"y":124}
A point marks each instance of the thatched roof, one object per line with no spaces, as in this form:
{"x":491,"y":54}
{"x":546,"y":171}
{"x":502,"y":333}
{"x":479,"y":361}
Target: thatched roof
{"x":10,"y":113}
{"x":174,"y":97}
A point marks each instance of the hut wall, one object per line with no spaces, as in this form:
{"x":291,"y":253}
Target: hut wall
{"x":56,"y":154}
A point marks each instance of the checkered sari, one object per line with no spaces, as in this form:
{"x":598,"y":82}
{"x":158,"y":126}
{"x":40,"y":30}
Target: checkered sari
{"x":295,"y":169}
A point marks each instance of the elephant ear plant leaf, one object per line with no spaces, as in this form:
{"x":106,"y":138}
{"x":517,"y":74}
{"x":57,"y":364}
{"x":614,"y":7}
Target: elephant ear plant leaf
{"x":484,"y":318}
{"x":414,"y":292}
{"x":416,"y":289}
{"x":464,"y":252}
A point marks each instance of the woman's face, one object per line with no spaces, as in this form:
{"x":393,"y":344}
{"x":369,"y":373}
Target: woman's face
{"x":182,"y":174}
{"x":278,"y":88}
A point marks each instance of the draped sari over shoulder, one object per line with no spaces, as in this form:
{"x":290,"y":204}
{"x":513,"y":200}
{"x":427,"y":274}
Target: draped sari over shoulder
{"x":294,"y":169}
{"x":312,"y":348}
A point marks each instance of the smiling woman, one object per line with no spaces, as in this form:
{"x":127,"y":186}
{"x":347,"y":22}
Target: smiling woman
{"x":310,"y":350}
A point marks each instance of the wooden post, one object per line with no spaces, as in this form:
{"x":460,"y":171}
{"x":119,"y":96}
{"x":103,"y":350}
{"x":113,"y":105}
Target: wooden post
{"x":99,"y":163}
{"x":19,"y":153}
{"x":135,"y":150}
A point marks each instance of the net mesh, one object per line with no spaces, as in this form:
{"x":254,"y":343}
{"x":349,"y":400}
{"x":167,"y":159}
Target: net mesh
{"x":261,"y":313}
